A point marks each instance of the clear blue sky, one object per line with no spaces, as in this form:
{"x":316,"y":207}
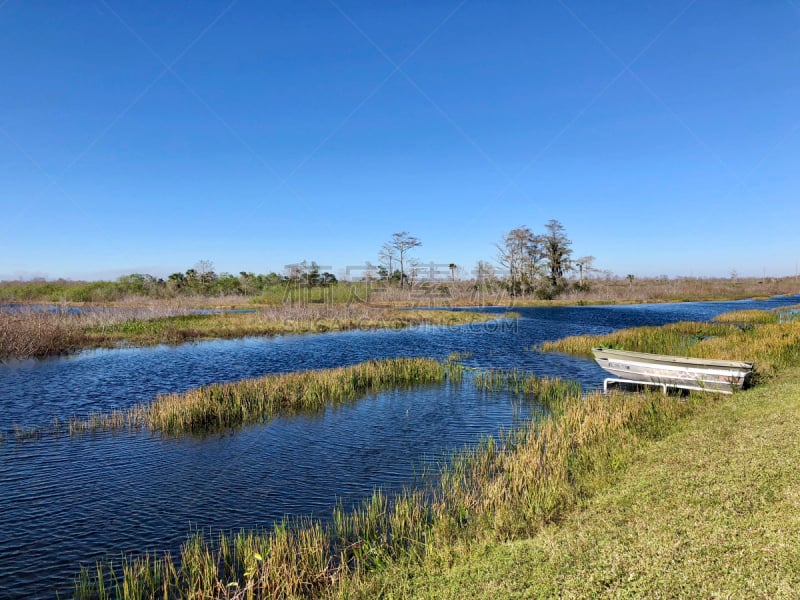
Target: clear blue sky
{"x":143,"y":137}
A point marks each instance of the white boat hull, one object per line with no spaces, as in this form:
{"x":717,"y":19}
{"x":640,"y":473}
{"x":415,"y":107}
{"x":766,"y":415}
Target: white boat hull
{"x":672,"y":371}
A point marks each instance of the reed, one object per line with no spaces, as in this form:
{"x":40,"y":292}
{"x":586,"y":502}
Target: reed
{"x":748,"y":317}
{"x":224,"y":406}
{"x":503,"y":489}
{"x":550,"y":392}
{"x":675,"y":338}
{"x":31,"y":332}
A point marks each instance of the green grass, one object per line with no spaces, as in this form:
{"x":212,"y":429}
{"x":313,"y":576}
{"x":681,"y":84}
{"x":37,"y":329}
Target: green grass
{"x":675,"y":338}
{"x":712,"y":510}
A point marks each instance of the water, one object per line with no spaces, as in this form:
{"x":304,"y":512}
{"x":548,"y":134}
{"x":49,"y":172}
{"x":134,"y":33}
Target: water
{"x":65,"y":502}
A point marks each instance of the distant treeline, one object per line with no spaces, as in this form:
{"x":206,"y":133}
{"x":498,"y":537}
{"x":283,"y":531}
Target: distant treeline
{"x":193,"y":282}
{"x":532,"y":267}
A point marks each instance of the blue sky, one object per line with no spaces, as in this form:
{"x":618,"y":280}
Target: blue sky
{"x":143,"y":137}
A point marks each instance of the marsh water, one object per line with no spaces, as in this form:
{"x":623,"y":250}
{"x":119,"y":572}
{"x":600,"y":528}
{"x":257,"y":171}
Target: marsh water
{"x":67,"y":501}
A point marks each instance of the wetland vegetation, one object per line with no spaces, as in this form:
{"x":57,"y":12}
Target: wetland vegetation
{"x":505,"y":496}
{"x":225,"y":406}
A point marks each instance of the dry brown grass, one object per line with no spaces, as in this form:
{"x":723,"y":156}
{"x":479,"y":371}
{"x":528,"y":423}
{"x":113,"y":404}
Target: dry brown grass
{"x":30,"y":332}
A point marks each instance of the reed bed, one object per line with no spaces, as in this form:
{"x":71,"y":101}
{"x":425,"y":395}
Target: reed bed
{"x":500,"y":490}
{"x":782,"y":314}
{"x":224,"y":406}
{"x":547,"y":391}
{"x":35,"y":333}
{"x":32,"y":332}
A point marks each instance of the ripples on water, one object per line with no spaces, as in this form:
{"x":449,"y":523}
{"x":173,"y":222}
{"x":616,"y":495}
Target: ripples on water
{"x":65,"y":502}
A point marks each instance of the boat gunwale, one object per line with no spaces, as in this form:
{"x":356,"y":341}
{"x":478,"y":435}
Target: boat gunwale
{"x":667,"y":359}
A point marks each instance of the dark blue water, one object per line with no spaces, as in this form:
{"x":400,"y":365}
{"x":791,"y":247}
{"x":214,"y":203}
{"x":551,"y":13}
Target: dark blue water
{"x":65,"y":502}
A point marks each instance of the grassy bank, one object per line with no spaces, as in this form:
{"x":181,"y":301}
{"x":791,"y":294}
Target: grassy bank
{"x":37,"y":333}
{"x":712,"y":510}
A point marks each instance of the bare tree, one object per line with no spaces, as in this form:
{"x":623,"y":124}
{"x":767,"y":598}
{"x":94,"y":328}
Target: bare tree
{"x":484,"y":272}
{"x":584,"y":264}
{"x":520,"y":252}
{"x":387,"y":256}
{"x":402,"y":243}
{"x":205,"y":272}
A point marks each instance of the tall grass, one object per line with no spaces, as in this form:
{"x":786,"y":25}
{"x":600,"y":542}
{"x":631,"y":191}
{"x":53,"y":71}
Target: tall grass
{"x":675,"y":338}
{"x":502,"y":489}
{"x":749,"y":317}
{"x":550,"y":392}
{"x":228,"y":405}
{"x":31,"y":332}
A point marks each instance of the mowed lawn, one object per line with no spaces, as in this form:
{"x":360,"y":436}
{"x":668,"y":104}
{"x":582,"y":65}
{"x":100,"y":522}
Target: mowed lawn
{"x":710,"y":511}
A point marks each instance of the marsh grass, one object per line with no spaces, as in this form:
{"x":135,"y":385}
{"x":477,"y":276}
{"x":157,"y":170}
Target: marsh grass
{"x":550,"y":392}
{"x":748,"y":317}
{"x":503,"y":489}
{"x":225,"y":406}
{"x":675,"y":338}
{"x":35,"y":333}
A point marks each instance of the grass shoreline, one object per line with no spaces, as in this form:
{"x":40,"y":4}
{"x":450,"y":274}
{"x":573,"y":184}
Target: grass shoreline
{"x":504,"y":488}
{"x":38,"y":334}
{"x":710,"y":510}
